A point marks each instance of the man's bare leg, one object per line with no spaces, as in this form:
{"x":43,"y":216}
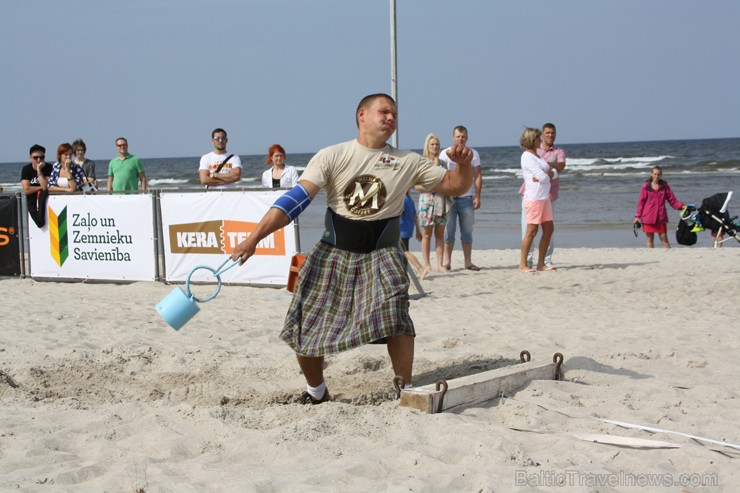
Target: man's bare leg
{"x":401,"y":351}
{"x":312,"y":368}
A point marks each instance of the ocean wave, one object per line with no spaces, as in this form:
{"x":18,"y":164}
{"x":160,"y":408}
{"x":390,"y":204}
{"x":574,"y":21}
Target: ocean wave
{"x":510,"y":171}
{"x":194,"y":181}
{"x":585,"y":165}
{"x":612,"y":174}
{"x":613,"y":166}
{"x":581,"y":161}
{"x":730,"y":164}
{"x":650,"y":159}
{"x":488,"y":177}
{"x":166,"y":181}
{"x":610,"y":171}
{"x":612,"y":160}
{"x":682,"y":172}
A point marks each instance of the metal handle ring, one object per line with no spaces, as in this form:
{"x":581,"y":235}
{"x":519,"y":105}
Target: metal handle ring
{"x":216,"y":273}
{"x":190,"y":293}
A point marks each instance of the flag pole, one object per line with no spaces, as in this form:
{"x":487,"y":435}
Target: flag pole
{"x":394,"y":73}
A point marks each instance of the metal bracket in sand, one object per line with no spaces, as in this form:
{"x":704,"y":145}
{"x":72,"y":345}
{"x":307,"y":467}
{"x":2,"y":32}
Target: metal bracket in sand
{"x":417,"y":284}
{"x":481,"y":387}
{"x":413,"y":278}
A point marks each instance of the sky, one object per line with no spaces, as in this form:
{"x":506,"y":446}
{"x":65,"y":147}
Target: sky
{"x":164,"y":73}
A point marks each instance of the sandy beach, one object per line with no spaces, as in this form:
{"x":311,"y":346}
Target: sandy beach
{"x":97,"y":393}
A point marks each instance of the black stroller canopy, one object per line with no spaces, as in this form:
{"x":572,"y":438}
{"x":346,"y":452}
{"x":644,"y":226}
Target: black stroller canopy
{"x":710,"y":214}
{"x":713,"y":214}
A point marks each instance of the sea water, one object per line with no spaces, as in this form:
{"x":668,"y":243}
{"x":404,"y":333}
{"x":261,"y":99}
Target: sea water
{"x":598,"y":190}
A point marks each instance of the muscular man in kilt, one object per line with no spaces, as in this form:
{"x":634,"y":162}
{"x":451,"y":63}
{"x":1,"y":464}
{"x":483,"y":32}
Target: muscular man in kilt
{"x":352,"y":288}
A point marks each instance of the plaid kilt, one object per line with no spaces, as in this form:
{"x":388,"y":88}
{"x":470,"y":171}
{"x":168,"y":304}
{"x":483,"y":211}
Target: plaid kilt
{"x":344,"y":299}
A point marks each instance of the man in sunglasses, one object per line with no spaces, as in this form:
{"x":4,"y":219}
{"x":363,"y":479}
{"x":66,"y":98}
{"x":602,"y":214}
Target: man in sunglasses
{"x":125,"y":170}
{"x":217,"y":169}
{"x":35,"y":181}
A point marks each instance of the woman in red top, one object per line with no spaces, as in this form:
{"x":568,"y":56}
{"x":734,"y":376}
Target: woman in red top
{"x":651,"y":210}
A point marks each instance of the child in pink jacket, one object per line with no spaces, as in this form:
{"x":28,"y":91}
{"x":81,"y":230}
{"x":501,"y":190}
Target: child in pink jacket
{"x":651,"y":210}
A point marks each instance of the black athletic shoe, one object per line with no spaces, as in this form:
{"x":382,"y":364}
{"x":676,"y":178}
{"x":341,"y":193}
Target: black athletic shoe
{"x":306,"y":398}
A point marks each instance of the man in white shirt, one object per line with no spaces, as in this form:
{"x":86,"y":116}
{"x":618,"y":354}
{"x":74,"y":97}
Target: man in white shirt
{"x":463,"y":207}
{"x":217,"y":170}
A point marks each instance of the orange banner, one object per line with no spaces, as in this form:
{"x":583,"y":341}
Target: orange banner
{"x":219,"y":237}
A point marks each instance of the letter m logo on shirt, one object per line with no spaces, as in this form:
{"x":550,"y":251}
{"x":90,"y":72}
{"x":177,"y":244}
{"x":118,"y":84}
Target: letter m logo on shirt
{"x":58,"y":236}
{"x":365,"y":195}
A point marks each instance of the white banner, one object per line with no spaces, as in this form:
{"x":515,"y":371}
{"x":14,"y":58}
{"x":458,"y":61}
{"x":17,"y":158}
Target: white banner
{"x":107,"y":237}
{"x":202,"y":229}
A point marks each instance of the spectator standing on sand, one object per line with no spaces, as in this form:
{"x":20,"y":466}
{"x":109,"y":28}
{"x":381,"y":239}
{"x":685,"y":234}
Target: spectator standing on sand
{"x":409,"y":226}
{"x":433,"y":211}
{"x":217,"y":169}
{"x":88,"y":165}
{"x":35,"y":184}
{"x":66,"y":176}
{"x":651,"y":211}
{"x":352,"y":289}
{"x":125,"y":170}
{"x":463,"y":206}
{"x":279,"y":175}
{"x":537,"y":176}
{"x":555,"y":157}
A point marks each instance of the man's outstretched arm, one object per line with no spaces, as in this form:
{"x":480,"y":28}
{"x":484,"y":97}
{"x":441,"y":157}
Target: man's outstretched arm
{"x":273,"y":220}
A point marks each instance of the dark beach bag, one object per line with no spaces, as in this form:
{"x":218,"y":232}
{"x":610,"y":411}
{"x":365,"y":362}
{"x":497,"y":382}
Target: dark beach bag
{"x":684,"y":235}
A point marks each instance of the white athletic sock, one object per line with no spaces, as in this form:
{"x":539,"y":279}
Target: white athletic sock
{"x":317,"y":392}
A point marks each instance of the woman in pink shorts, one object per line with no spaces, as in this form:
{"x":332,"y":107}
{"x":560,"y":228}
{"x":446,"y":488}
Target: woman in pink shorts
{"x":537,"y":175}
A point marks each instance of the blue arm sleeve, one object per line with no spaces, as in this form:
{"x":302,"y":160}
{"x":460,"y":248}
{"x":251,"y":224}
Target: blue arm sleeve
{"x":293,"y":202}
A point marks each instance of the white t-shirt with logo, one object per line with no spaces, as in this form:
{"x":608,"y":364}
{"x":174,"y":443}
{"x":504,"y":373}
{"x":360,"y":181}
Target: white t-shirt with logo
{"x":450,"y":164}
{"x":363,"y":183}
{"x":212,"y":161}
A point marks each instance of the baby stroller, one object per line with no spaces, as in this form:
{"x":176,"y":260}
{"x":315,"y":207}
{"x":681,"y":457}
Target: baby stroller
{"x":713,"y":215}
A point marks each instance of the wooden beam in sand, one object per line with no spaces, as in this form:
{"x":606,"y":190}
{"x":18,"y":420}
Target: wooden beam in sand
{"x":481,"y":387}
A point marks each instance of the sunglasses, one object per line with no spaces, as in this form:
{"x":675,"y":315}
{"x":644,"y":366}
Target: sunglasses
{"x":39,"y":157}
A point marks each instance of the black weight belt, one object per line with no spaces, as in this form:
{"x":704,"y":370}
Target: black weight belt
{"x":360,"y":236}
